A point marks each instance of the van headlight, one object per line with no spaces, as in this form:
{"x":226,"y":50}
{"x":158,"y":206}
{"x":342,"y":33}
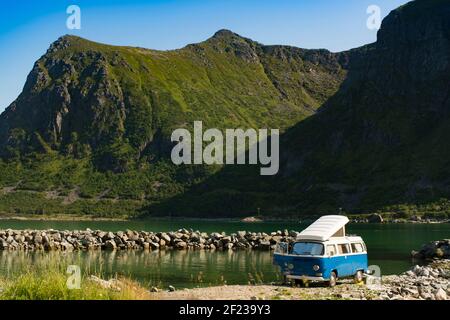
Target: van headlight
{"x":316,"y":267}
{"x":290,"y":266}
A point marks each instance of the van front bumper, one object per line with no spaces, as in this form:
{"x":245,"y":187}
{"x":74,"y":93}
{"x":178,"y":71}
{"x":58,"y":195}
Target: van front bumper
{"x":308,"y":278}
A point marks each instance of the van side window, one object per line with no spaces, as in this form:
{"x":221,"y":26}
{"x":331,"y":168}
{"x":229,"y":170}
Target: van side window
{"x":331,"y":250}
{"x":357,"y":248}
{"x":364,"y":247}
{"x":343,"y":248}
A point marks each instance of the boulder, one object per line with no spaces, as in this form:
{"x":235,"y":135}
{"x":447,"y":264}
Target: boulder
{"x":3,"y":245}
{"x":19,"y":238}
{"x":66,"y":246}
{"x":154,"y":245}
{"x":109,"y":236}
{"x":101,"y":234}
{"x":226,"y":240}
{"x":165,"y":237}
{"x":57,"y":236}
{"x":229,"y":246}
{"x":195,"y":237}
{"x":440,"y":294}
{"x":264,"y":245}
{"x":241,"y":234}
{"x":110,"y":245}
{"x":181,"y":245}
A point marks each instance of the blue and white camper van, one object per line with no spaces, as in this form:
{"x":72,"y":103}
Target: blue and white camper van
{"x":323,"y":252}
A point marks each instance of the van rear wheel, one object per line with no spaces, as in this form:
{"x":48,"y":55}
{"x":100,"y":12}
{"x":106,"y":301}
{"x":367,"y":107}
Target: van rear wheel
{"x":333,"y":279}
{"x":358,"y":276}
{"x":301,"y":283}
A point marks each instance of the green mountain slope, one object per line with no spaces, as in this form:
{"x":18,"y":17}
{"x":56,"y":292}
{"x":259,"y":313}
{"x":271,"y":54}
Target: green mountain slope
{"x":96,"y":96}
{"x":386,"y":132}
{"x":379,"y":144}
{"x":363,"y":131}
{"x":93,"y":122}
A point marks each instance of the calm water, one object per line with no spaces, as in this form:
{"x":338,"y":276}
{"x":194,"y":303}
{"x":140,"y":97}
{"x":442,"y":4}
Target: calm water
{"x":389,"y":247}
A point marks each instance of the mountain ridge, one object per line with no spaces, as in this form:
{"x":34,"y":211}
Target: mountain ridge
{"x":363,"y":130}
{"x":91,"y":130}
{"x":144,"y":85}
{"x":379,"y":143}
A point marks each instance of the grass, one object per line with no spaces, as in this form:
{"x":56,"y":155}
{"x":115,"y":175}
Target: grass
{"x":48,"y":281}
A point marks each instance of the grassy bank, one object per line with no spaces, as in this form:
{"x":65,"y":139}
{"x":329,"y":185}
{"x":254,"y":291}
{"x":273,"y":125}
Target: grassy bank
{"x":55,"y":187}
{"x":48,"y":281}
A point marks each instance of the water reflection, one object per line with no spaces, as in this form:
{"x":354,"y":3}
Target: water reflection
{"x":179,"y":268}
{"x":389,"y":247}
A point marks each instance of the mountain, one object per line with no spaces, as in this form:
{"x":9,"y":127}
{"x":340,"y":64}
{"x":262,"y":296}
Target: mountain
{"x":122,"y":103}
{"x":384,"y":137}
{"x":379,"y":144}
{"x":93,"y":121}
{"x":364,"y":130}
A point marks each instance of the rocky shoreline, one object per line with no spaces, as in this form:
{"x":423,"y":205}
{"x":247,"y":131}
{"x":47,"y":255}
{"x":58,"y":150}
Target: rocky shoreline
{"x":430,"y":282}
{"x":182,"y":239}
{"x":433,"y":250}
{"x":386,"y":219}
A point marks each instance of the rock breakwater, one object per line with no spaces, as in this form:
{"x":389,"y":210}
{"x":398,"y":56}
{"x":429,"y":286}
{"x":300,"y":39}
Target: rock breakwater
{"x":182,"y":239}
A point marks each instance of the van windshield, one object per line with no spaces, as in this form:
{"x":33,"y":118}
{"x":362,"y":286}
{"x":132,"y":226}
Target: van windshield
{"x":308,"y":248}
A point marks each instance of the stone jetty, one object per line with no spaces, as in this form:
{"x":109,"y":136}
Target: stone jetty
{"x":140,"y":240}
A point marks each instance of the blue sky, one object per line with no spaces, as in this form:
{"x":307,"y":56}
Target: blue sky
{"x":28,"y":27}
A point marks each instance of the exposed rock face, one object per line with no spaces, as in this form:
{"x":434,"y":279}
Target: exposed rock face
{"x":121,"y":104}
{"x":383,"y":135}
{"x":381,"y":140}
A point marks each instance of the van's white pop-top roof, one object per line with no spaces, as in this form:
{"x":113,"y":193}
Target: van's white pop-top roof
{"x":324,"y":228}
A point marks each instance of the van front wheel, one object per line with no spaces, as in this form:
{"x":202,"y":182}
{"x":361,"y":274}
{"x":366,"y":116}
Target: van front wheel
{"x":333,"y":279}
{"x":358,"y":277}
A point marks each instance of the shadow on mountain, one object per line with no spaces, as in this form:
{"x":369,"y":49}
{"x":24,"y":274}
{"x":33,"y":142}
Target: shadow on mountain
{"x":380,"y":141}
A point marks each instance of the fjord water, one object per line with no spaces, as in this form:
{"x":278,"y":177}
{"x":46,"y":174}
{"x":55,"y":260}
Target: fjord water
{"x":389,"y":247}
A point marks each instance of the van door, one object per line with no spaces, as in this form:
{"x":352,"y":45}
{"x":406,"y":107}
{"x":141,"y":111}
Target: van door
{"x":344,"y":261}
{"x":359,"y":257}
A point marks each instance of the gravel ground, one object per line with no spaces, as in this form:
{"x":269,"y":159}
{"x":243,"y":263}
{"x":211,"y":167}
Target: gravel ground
{"x":430,"y":282}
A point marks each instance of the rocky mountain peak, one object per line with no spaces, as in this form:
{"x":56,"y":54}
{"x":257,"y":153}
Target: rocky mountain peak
{"x":119,"y":104}
{"x":225,"y":33}
{"x":416,"y":22}
{"x":226,"y":41}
